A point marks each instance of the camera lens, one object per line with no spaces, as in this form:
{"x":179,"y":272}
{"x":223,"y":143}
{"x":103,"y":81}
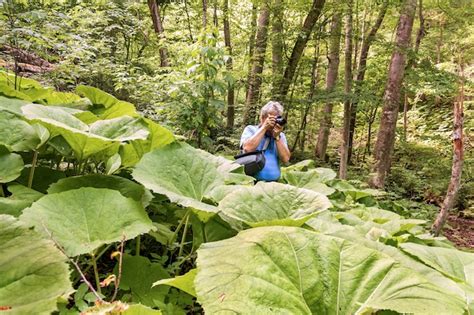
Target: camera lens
{"x":280,"y":120}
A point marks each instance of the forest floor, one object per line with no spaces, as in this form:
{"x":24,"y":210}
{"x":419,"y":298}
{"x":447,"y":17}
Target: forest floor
{"x":460,"y":231}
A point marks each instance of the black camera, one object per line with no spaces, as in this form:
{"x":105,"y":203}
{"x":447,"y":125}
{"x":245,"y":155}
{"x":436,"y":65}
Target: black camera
{"x":280,"y":120}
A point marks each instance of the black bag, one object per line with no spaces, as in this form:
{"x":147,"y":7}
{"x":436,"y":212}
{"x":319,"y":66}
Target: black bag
{"x":253,"y":162}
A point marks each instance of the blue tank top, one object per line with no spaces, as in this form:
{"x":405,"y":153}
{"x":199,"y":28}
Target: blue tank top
{"x":271,"y":171}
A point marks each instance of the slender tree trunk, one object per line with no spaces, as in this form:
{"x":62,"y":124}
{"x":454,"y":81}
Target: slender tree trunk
{"x":347,"y":92}
{"x":458,"y":156}
{"x":277,"y":46}
{"x":312,"y":89}
{"x":204,"y":14}
{"x":214,"y":16}
{"x":386,"y":134}
{"x":229,"y":66}
{"x":253,"y":33}
{"x":331,"y":79}
{"x":355,"y":37}
{"x":159,"y":30}
{"x":364,"y":53}
{"x":412,"y":63}
{"x":299,"y":47}
{"x":188,"y":20}
{"x":419,"y":36}
{"x":257,"y":66}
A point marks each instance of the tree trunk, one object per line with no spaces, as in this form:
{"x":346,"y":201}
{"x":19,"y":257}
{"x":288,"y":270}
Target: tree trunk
{"x":188,"y":20}
{"x":419,"y":36}
{"x":277,"y":47}
{"x":458,"y":152}
{"x":299,"y":47}
{"x":347,"y":92}
{"x":229,"y":66}
{"x":364,"y":53}
{"x":312,"y":89}
{"x":253,"y":32}
{"x":386,"y":134}
{"x":214,"y":16}
{"x":159,"y":30}
{"x":331,"y":79}
{"x":412,"y":63}
{"x":204,"y":14}
{"x":257,"y":66}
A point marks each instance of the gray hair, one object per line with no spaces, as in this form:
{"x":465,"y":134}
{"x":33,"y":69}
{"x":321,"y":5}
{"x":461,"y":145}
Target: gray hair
{"x":271,"y":106}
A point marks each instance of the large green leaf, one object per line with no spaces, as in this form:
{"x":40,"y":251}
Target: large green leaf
{"x":9,"y":91}
{"x":125,"y":186}
{"x":22,"y":82}
{"x":323,"y":224}
{"x":34,"y":274}
{"x":273,"y":204}
{"x":12,"y":105}
{"x":184,"y":282}
{"x":300,"y":166}
{"x":86,"y":140}
{"x":21,"y":198}
{"x":378,"y":222}
{"x":184,"y":174}
{"x":453,"y":263}
{"x":296,"y":271}
{"x":11,"y":165}
{"x":123,"y":128}
{"x":310,"y":179}
{"x":138,"y":275}
{"x":96,"y":96}
{"x":132,"y":152}
{"x":83,"y":219}
{"x":17,"y":133}
{"x":112,"y":107}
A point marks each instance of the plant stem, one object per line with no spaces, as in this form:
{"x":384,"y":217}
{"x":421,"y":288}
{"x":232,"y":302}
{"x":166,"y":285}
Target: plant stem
{"x":183,"y":237}
{"x":2,"y":194}
{"x":96,"y":273}
{"x":32,"y":169}
{"x":119,"y":277}
{"x":175,"y":234}
{"x":137,"y":245}
{"x":81,"y":274}
{"x":97,"y":257}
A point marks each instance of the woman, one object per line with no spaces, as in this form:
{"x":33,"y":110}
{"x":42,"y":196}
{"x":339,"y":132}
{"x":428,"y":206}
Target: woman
{"x":255,"y":138}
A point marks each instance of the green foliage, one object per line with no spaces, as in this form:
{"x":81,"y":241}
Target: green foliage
{"x":196,"y":234}
{"x":289,"y":269}
{"x":11,"y":165}
{"x":34,"y":273}
{"x":71,"y":217}
{"x":138,"y":275}
{"x":268,"y":204}
{"x":188,"y":226}
{"x":198,"y":96}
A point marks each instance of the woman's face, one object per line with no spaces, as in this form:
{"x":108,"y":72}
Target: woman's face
{"x":273,"y":113}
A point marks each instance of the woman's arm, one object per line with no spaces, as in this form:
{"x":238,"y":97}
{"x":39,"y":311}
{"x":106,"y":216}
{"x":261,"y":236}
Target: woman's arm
{"x":282,"y":148}
{"x":252,"y":143}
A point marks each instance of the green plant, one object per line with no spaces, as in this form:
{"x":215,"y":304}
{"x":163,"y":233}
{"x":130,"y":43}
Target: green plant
{"x":137,"y":212}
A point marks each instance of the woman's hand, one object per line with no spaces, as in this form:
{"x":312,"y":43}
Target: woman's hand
{"x":270,"y":122}
{"x":276,"y":131}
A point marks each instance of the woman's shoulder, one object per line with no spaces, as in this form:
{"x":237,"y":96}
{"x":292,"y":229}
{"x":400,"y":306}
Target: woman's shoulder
{"x":251,"y":128}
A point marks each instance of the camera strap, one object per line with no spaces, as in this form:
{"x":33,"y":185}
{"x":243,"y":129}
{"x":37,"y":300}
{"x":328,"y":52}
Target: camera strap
{"x":265,"y":145}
